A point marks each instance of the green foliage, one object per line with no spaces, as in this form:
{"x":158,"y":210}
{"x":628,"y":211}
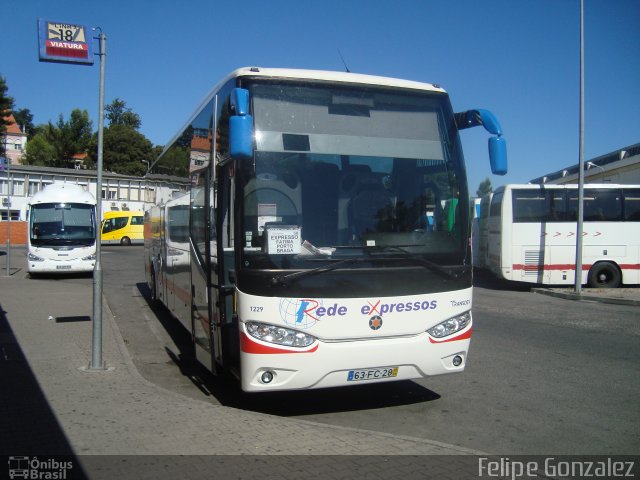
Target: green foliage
{"x":484,"y":188}
{"x":6,"y":106}
{"x":54,"y":145}
{"x":39,"y":151}
{"x":119,"y":114}
{"x":125,"y":149}
{"x":24,"y":118}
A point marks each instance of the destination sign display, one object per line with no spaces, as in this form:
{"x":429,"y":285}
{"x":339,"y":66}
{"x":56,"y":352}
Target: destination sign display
{"x":64,"y":42}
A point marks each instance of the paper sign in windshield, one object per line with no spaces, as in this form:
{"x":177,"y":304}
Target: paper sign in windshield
{"x":283,"y":240}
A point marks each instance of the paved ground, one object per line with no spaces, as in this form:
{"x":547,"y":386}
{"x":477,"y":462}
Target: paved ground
{"x":52,"y":405}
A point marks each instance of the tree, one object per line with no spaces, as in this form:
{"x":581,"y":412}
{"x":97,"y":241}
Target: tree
{"x":119,"y":114}
{"x":6,"y":106}
{"x":55,"y":145}
{"x":125,"y":149}
{"x":484,"y":188}
{"x":39,"y":151}
{"x":71,"y":137}
{"x":24,"y":118}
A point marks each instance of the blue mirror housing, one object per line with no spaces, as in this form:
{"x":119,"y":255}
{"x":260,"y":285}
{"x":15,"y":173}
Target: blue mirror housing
{"x":474,"y":118}
{"x":497,"y":144}
{"x":241,"y":131}
{"x":240,"y":101}
{"x":498,"y":155}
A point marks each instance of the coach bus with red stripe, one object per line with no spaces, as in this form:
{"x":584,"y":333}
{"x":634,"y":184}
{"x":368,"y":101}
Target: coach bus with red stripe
{"x":324,"y":233}
{"x":532,"y":234}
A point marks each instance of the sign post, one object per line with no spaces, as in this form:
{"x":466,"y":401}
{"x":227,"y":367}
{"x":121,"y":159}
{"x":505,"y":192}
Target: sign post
{"x":96,"y":345}
{"x":70,"y":43}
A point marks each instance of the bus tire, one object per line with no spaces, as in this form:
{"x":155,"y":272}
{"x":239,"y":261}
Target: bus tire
{"x":125,"y":241}
{"x":154,"y":287}
{"x":604,"y":275}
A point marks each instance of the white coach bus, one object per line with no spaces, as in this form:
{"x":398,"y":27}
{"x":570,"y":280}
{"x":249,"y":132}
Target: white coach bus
{"x":328,"y":239}
{"x":532,"y":234}
{"x":62,"y":230}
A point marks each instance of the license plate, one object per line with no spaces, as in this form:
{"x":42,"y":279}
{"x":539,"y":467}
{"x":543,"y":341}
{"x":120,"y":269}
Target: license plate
{"x":63,"y":267}
{"x":372,"y":374}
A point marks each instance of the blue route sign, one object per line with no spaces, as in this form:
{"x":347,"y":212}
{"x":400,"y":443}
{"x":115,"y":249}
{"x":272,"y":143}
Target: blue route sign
{"x":64,"y":42}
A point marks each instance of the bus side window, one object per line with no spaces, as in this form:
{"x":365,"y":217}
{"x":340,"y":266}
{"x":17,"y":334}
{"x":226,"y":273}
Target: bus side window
{"x":632,"y":205}
{"x":107,"y":226}
{"x":120,"y":222}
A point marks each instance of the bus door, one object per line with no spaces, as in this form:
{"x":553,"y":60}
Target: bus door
{"x":167,"y":264}
{"x":223,"y":275}
{"x":203,"y":319}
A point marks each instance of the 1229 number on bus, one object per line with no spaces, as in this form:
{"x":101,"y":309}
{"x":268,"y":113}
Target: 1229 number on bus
{"x":372,"y":374}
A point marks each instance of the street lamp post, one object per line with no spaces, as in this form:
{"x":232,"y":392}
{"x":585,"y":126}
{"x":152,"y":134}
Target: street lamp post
{"x":96,"y":345}
{"x":578,"y":275}
{"x":8,"y":163}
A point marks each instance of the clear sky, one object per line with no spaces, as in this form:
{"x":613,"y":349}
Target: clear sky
{"x":517,"y":58}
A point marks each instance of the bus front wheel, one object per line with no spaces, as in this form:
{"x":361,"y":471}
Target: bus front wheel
{"x":125,"y":241}
{"x":604,"y":275}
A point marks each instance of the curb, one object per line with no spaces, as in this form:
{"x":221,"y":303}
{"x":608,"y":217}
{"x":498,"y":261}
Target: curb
{"x":585,"y":298}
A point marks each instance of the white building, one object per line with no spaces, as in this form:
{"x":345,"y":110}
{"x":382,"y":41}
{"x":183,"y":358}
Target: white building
{"x":119,"y":192}
{"x":14,"y":140}
{"x":621,"y":166}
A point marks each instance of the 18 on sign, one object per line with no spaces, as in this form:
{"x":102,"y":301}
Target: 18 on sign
{"x":66,"y":32}
{"x":372,"y":374}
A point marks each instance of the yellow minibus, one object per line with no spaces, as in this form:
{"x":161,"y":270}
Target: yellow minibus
{"x":125,"y":228}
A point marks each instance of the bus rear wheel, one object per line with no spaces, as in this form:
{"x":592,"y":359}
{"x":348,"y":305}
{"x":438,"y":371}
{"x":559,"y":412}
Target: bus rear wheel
{"x":125,"y":241}
{"x":604,"y":275}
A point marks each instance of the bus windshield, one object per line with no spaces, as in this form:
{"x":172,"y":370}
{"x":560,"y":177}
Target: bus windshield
{"x":56,"y":224}
{"x":339,"y":173}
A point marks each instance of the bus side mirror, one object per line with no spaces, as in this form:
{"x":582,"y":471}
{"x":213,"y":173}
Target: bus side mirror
{"x":498,"y":155}
{"x":497,"y":144}
{"x":240,"y":125}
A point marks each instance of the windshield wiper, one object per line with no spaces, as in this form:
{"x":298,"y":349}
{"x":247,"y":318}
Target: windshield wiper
{"x":448,"y":272}
{"x":282,"y":279}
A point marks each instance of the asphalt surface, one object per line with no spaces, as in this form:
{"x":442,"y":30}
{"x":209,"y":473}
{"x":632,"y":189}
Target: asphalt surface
{"x":114,"y":422}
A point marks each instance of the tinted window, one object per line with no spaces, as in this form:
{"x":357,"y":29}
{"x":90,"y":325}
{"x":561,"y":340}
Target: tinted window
{"x":632,"y":205}
{"x":529,"y":206}
{"x":496,"y":204}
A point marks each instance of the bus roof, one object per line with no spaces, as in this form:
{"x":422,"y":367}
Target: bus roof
{"x":333,"y":76}
{"x":299,"y":74}
{"x":122,"y":213}
{"x":63,"y":192}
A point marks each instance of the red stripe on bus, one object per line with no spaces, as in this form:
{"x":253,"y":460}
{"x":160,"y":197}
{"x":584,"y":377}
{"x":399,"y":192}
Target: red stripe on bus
{"x":557,"y":266}
{"x":249,"y":346}
{"x":462,"y":336}
{"x":567,"y":266}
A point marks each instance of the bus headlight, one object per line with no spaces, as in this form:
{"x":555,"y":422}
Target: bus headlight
{"x":34,"y":258}
{"x":450,"y":325}
{"x":279,"y":335}
{"x":90,"y":257}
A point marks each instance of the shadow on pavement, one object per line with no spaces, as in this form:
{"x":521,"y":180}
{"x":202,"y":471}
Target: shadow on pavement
{"x":485,"y":279}
{"x":27,"y":423}
{"x":225,"y":388}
